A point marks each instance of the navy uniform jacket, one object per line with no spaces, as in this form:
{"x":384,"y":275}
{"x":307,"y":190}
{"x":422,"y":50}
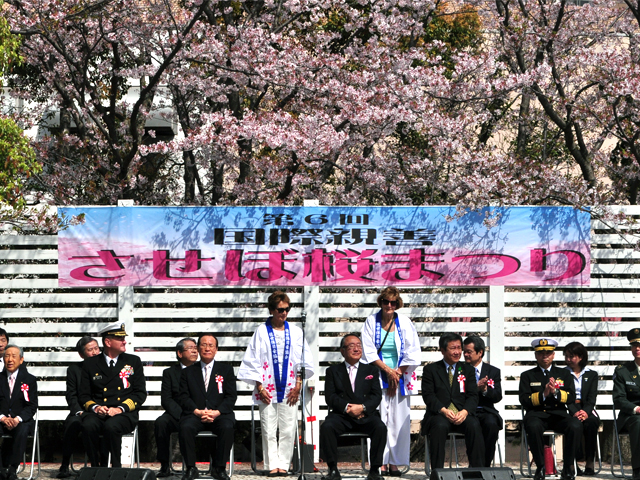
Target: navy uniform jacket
{"x":171,"y":389}
{"x":72,"y":394}
{"x":437,"y":393}
{"x":626,"y":391}
{"x":193,"y":396}
{"x":338,"y":392}
{"x":16,"y":405}
{"x":588,"y":393}
{"x":491,"y":396}
{"x":102,"y":385}
{"x":532,"y":384}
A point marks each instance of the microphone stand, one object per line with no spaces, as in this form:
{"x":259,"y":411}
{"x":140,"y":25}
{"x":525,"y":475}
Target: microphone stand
{"x":303,"y":320}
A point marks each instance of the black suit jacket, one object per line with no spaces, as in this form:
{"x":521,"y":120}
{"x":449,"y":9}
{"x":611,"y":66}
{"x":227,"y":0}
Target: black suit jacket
{"x":491,"y":396}
{"x":193,"y":396}
{"x":16,"y":405}
{"x":626,"y":391}
{"x":170,"y":390}
{"x":102,"y":385}
{"x":588,"y":393}
{"x":438,"y":394}
{"x":338,"y":392}
{"x":532,"y":384}
{"x":72,"y":394}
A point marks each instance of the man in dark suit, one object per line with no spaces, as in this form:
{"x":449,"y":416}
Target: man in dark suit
{"x":168,"y":422}
{"x":450,"y":393}
{"x":545,"y":391}
{"x":4,"y":341}
{"x":207,"y":397}
{"x":86,"y":347}
{"x":626,"y":398}
{"x":352,"y":393}
{"x":489,"y":393}
{"x":18,"y":405}
{"x":112,"y":390}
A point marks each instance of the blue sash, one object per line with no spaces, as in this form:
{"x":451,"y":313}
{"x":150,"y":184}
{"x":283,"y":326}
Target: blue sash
{"x":280,"y":376}
{"x":383,"y":375}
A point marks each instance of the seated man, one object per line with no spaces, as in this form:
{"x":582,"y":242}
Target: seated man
{"x":18,"y":405}
{"x":450,"y":393}
{"x":4,"y":341}
{"x":545,"y":391}
{"x":167,"y":423}
{"x":489,"y":393}
{"x":626,"y":398}
{"x":112,"y":389}
{"x":86,"y":347}
{"x":207,"y":397}
{"x":352,"y":393}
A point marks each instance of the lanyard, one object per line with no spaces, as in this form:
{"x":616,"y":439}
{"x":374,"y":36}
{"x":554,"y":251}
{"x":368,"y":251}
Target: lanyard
{"x":280,"y":375}
{"x":383,"y":375}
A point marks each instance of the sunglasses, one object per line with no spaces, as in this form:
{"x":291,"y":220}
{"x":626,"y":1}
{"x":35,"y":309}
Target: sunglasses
{"x":393,"y":303}
{"x":282,"y":310}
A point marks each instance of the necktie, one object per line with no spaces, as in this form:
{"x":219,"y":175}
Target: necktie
{"x":452,"y":407}
{"x":352,"y":377}
{"x":12,"y":381}
{"x":112,"y":363}
{"x":206,"y":378}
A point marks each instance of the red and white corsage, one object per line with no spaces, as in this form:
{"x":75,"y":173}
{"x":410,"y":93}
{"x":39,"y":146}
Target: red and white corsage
{"x":124,"y":375}
{"x":219,"y":380}
{"x":25,"y":390}
{"x":461,"y":380}
{"x":491,"y":383}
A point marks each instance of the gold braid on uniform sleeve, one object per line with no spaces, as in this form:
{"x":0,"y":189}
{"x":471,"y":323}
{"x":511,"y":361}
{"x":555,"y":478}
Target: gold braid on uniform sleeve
{"x":564,"y":396}
{"x":535,"y":399}
{"x":130,"y":403}
{"x":89,"y":404}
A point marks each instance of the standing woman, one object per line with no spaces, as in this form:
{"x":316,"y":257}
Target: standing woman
{"x":584,"y":408}
{"x":272,"y":362}
{"x":391,"y":343}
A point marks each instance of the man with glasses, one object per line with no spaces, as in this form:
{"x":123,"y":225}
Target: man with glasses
{"x":450,"y":393}
{"x":167,"y":423}
{"x":352,"y":392}
{"x":112,"y":390}
{"x":207,"y":397}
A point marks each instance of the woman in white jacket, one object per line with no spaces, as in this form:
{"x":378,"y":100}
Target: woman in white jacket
{"x":390,"y":342}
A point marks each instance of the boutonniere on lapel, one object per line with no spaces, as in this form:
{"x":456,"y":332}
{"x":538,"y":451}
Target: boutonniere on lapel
{"x":25,"y":390}
{"x":559,"y":383}
{"x":369,"y":377}
{"x":219,"y":380}
{"x":491,"y":383}
{"x":461,"y":379}
{"x":125,"y":373}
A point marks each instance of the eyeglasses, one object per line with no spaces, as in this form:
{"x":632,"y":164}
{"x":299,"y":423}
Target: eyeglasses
{"x":191,"y":349}
{"x":393,"y":303}
{"x":208,"y":345}
{"x":353,"y":346}
{"x":282,"y":310}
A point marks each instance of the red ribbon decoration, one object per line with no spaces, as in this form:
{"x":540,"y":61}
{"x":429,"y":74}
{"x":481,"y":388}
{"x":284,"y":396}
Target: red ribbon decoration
{"x":25,"y":389}
{"x":491,"y":383}
{"x":461,"y":379}
{"x":125,"y":381}
{"x":219,"y":380}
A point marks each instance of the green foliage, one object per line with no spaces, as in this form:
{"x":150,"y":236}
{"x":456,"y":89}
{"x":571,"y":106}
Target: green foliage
{"x":17,"y":163}
{"x":9,"y":46}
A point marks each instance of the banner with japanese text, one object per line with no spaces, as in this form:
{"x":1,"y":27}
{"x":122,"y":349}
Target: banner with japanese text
{"x":324,"y":246}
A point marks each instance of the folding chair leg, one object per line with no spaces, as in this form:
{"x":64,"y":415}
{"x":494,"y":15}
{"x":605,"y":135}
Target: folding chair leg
{"x":427,"y":457}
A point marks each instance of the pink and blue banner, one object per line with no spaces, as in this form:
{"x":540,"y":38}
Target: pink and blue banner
{"x":324,"y":246}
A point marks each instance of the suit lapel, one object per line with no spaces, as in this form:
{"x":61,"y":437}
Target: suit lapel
{"x":343,"y":372}
{"x":442,"y":372}
{"x":360,"y":373}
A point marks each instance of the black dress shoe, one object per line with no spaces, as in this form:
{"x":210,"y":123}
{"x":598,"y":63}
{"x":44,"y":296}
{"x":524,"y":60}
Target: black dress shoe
{"x":394,"y":473}
{"x":190,"y":474}
{"x":332,"y":475}
{"x":579,"y":472}
{"x":539,"y":475}
{"x":219,"y":473}
{"x":567,"y":474}
{"x":374,"y":474}
{"x":63,"y":472}
{"x":589,"y":472}
{"x":165,"y":471}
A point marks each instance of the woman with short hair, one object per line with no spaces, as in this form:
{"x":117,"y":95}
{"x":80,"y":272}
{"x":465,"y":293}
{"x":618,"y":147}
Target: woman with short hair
{"x":584,"y":409}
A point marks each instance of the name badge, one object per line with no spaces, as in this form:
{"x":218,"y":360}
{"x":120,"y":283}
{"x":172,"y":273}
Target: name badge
{"x":630,"y":383}
{"x":535,"y":384}
{"x":97,"y":377}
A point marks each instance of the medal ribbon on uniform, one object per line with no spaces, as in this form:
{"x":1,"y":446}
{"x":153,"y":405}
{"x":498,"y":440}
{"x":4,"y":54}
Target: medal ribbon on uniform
{"x":378,"y":335}
{"x":280,"y":376}
{"x":25,"y":389}
{"x":219,"y":380}
{"x":461,"y":379}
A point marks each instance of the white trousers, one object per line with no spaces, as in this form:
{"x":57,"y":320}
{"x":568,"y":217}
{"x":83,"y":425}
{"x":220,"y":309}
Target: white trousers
{"x":396,"y":414}
{"x":277,"y":451}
